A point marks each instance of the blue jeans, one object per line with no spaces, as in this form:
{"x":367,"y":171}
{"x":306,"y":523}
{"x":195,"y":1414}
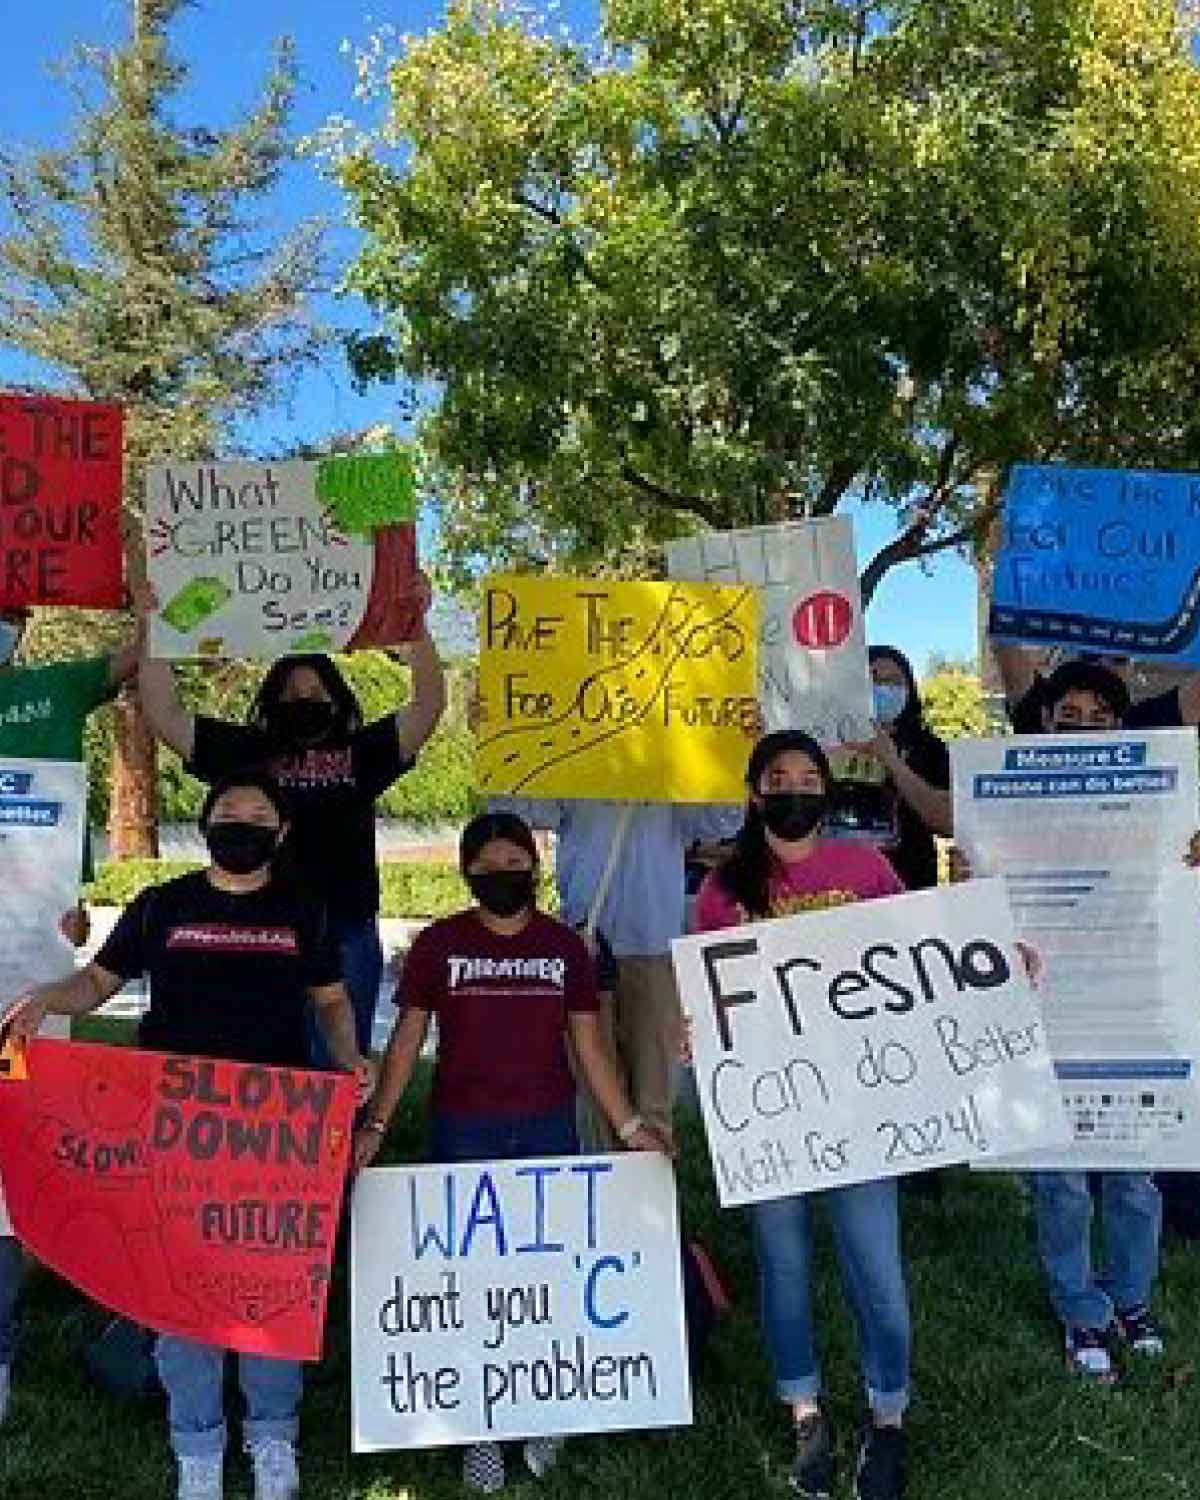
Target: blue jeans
{"x":361,"y":956}
{"x":12,"y":1271}
{"x":866,"y":1231}
{"x":1131,"y":1213}
{"x":193,"y":1376}
{"x":498,"y":1138}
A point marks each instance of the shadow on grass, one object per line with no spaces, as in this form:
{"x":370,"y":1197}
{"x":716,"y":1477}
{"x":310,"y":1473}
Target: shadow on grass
{"x":995,"y":1416}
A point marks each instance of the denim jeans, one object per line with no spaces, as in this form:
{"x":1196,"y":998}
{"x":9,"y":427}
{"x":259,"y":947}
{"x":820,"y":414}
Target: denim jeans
{"x":498,"y":1138}
{"x":12,"y":1271}
{"x":866,"y":1231}
{"x":361,"y":956}
{"x":193,"y":1376}
{"x":1131,"y":1215}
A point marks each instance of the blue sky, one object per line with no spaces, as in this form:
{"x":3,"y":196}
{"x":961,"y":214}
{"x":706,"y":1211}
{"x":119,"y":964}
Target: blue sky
{"x":228,"y":48}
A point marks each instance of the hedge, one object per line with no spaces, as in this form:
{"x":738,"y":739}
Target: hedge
{"x":407,"y":890}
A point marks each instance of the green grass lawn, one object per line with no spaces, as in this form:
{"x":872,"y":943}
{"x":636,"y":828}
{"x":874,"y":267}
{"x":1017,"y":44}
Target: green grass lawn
{"x":995,"y":1417}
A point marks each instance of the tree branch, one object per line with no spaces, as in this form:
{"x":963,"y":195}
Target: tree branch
{"x":907,"y":548}
{"x":553,"y":217}
{"x":702,"y":509}
{"x":909,"y":543}
{"x":837,"y":482}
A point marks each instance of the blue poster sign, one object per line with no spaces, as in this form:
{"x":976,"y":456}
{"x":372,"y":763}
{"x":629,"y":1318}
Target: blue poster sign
{"x":1104,"y":560}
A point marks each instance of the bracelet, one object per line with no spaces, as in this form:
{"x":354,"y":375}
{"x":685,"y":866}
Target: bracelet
{"x":630,"y":1128}
{"x":380,"y":1126}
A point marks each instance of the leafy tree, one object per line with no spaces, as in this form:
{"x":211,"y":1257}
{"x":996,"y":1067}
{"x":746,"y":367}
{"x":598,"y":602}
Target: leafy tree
{"x":132,"y":269}
{"x":954,"y":702}
{"x":742,"y":259}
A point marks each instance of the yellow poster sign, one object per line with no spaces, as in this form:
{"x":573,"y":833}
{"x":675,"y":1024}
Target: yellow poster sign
{"x":629,"y":691}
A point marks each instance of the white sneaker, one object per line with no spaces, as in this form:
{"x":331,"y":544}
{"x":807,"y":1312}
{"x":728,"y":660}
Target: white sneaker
{"x":5,"y":1390}
{"x":201,"y":1476}
{"x":541,"y":1454}
{"x":276,"y":1476}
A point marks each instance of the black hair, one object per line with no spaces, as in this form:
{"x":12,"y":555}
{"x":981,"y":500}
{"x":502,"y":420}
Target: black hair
{"x":260,"y":780}
{"x":494,"y":825}
{"x":746,"y":874}
{"x":911,"y":717}
{"x":1086,"y":677}
{"x":347,"y":716}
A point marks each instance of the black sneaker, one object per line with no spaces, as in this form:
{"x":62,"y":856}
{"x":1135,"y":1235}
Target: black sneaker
{"x":1089,"y":1355}
{"x":882,"y":1469}
{"x":812,"y":1467}
{"x":1138,"y":1330}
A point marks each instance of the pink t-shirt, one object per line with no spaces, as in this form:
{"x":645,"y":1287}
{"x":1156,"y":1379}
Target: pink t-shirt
{"x":836,"y":872}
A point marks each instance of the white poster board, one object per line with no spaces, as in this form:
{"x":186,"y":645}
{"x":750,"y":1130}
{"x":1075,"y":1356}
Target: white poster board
{"x":516,"y":1299}
{"x":866,"y":1041}
{"x":1089,"y":831}
{"x":812,"y":648}
{"x":262,"y":559}
{"x":42,"y":806}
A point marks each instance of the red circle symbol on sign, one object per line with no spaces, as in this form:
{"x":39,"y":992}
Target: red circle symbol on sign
{"x":823,"y":620}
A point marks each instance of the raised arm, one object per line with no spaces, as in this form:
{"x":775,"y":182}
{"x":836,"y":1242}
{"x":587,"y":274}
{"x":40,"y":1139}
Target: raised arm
{"x":1018,"y":667}
{"x":419,"y":719}
{"x":76,"y":995}
{"x":932,"y":804}
{"x":168,"y":718}
{"x":123,"y":663}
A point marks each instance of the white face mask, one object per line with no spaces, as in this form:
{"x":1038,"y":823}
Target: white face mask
{"x":10,"y":639}
{"x":890,"y":701}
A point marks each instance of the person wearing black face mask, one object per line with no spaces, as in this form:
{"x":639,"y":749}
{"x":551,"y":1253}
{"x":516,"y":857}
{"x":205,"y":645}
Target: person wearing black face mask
{"x":234,"y":959}
{"x":508,"y":986}
{"x":306,"y":728}
{"x":781,"y":864}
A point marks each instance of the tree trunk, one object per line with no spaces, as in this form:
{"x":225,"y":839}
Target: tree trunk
{"x":133,"y":803}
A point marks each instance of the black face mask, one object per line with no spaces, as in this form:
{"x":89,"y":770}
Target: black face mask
{"x":793,"y":815}
{"x":241,"y":848}
{"x":504,"y":893}
{"x":300,"y":720}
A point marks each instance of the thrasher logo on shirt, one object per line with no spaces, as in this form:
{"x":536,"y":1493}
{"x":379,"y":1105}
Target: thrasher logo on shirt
{"x":465,"y":971}
{"x":315,"y":768}
{"x":227,"y":937}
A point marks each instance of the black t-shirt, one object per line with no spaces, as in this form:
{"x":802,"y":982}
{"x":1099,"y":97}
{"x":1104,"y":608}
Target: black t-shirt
{"x":332,"y":788}
{"x":1163,"y":711}
{"x":914,"y":855}
{"x":229,"y":974}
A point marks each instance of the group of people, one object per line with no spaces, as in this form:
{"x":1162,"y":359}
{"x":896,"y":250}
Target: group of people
{"x":550,"y":1033}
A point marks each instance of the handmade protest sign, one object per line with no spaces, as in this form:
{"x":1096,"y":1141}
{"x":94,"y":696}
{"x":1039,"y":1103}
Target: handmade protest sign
{"x":260,"y":559}
{"x":616,"y":690}
{"x":1088,"y":832}
{"x":1104,"y":560}
{"x":515,"y":1299}
{"x":864,"y":1041}
{"x":194,"y":1196}
{"x":41,"y":833}
{"x":812,"y":660}
{"x":61,"y":470}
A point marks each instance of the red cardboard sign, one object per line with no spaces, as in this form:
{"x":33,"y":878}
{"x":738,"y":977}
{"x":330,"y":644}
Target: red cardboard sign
{"x":194,"y":1196}
{"x":60,"y":502}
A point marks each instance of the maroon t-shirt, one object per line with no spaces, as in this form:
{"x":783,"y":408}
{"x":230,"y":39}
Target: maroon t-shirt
{"x":501,"y":1005}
